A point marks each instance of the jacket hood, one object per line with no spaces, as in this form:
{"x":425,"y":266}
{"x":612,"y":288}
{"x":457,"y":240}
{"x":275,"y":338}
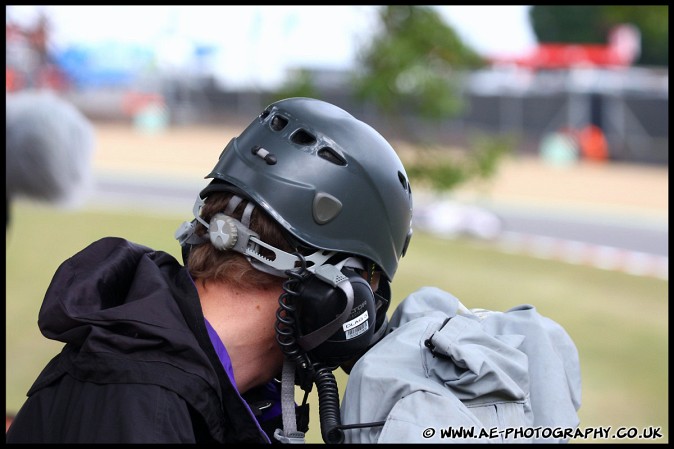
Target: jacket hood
{"x":116,"y":296}
{"x":130,"y":314}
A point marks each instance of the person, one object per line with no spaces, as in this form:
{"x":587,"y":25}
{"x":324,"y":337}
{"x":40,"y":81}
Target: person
{"x":285,"y":276}
{"x":49,"y":146}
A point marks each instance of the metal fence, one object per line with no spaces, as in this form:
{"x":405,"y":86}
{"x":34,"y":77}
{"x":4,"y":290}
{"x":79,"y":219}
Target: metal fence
{"x":630,"y":106}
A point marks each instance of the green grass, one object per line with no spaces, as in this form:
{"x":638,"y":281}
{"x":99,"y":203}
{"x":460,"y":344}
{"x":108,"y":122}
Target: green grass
{"x":618,"y":321}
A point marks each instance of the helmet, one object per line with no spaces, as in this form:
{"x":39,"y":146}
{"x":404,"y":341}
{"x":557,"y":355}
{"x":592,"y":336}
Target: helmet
{"x":331,"y":180}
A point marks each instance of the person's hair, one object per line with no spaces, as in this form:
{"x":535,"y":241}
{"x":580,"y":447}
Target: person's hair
{"x":207,"y":263}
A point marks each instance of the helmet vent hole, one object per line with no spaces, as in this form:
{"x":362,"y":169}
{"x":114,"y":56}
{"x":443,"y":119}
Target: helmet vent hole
{"x":264,"y":114}
{"x":301,"y":137}
{"x":403,"y":180}
{"x":278,"y":123}
{"x":331,"y":155}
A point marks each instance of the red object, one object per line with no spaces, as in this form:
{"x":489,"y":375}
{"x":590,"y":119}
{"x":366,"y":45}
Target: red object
{"x":12,"y":80}
{"x":134,"y":102}
{"x":622,"y":49}
{"x":593,"y":143}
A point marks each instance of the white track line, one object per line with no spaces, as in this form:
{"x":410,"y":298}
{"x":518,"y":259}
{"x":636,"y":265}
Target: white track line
{"x":581,"y":253}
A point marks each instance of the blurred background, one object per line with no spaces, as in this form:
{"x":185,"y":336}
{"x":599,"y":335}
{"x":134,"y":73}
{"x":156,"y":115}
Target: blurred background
{"x":536,"y":138}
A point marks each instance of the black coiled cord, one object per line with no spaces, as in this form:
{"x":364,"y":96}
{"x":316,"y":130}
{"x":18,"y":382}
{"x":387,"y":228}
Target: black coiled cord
{"x":328,"y":405}
{"x":322,"y":376}
{"x":285,"y":315}
{"x":332,"y":429}
{"x":286,"y":324}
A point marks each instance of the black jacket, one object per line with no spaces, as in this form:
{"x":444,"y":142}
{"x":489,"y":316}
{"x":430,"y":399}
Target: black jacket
{"x":138,"y":365}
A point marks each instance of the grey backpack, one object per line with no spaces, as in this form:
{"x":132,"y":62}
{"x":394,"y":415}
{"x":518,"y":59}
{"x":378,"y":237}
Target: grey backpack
{"x":447,"y":374}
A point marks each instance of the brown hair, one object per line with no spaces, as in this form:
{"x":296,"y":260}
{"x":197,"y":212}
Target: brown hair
{"x":207,"y":263}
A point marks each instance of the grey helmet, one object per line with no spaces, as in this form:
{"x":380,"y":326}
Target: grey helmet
{"x":329,"y":179}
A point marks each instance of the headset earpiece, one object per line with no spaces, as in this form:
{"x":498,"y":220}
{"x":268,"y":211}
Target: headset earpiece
{"x":222,"y":231}
{"x":318,"y":303}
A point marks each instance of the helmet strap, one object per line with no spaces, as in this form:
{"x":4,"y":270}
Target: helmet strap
{"x":289,"y":434}
{"x":247,"y":242}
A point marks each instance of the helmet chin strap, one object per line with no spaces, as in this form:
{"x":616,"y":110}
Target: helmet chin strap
{"x":289,"y":434}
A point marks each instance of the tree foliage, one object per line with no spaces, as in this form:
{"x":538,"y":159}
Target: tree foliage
{"x":411,"y":69}
{"x":590,"y":24}
{"x":440,"y":170}
{"x":411,"y":63}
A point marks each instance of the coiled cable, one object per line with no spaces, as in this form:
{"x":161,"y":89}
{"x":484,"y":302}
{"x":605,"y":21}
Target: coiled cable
{"x":321,"y":375}
{"x":328,"y":405}
{"x":286,"y":320}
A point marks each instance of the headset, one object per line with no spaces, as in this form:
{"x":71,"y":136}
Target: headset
{"x":330,"y":311}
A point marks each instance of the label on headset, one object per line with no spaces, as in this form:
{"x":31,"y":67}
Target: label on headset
{"x":356,"y":326}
